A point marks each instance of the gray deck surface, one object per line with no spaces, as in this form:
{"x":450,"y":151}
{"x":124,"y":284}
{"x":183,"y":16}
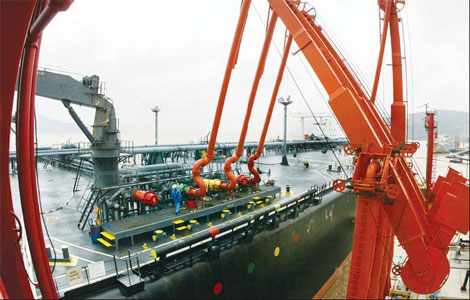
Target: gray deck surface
{"x":61,"y":217}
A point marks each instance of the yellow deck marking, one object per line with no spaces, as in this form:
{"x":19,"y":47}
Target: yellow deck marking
{"x":108,"y":235}
{"x":102,"y":241}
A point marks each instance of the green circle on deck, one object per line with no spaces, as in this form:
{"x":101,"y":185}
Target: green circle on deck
{"x":251,"y":268}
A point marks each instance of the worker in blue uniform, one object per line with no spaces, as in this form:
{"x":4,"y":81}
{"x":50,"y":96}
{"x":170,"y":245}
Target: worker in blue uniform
{"x":176,"y":196}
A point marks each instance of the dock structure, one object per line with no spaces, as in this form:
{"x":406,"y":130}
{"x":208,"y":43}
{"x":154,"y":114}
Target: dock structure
{"x":130,"y":227}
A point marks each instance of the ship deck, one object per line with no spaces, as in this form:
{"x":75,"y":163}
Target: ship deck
{"x":59,"y":205}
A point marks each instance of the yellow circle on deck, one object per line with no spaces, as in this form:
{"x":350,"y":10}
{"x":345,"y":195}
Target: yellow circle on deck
{"x":277,"y":250}
{"x":256,"y":198}
{"x":159,"y":231}
{"x":154,"y":254}
{"x":193,"y":221}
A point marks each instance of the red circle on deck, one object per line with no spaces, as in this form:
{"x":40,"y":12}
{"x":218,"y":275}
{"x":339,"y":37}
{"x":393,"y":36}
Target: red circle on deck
{"x":297,"y":237}
{"x":217,"y":288}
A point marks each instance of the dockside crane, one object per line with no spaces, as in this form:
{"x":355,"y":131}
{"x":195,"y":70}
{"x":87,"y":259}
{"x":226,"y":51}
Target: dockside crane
{"x":390,"y":202}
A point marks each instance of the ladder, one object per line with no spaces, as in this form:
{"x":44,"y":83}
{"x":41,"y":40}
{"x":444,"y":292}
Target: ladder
{"x":85,"y":195}
{"x":77,"y":177}
{"x":88,"y":209}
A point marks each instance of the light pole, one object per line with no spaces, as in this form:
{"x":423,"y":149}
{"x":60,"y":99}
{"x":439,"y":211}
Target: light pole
{"x":285,"y":102}
{"x":156,"y":109}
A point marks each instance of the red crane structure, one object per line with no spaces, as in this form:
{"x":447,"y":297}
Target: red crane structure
{"x":389,"y":202}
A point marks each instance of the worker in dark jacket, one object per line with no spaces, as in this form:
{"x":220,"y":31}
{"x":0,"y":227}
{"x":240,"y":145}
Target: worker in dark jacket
{"x":176,"y":196}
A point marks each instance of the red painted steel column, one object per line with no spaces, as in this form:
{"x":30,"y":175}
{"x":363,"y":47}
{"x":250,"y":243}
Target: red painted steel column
{"x":14,"y":18}
{"x":259,"y":150}
{"x":259,"y":72}
{"x":430,"y":125}
{"x":387,"y":257}
{"x":387,"y":10}
{"x":365,"y":240}
{"x":220,"y":105}
{"x":365,"y":235}
{"x":398,"y":109}
{"x":378,"y":260}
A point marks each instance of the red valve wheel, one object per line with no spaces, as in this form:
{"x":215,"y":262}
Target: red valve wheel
{"x":396,"y":270}
{"x":339,"y":185}
{"x":415,"y":145}
{"x":410,"y":165}
{"x":392,"y":191}
{"x":348,"y":149}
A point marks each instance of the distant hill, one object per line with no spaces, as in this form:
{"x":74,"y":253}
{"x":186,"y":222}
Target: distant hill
{"x":449,"y":123}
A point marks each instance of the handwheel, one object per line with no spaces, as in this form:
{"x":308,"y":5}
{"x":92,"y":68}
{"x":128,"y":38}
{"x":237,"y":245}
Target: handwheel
{"x":410,"y":165}
{"x":348,"y":149}
{"x":339,"y":185}
{"x":392,"y":191}
{"x":396,"y":270}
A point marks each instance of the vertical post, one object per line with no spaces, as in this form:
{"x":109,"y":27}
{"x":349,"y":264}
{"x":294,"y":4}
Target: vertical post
{"x":156,"y":109}
{"x":285,"y":102}
{"x":115,"y":265}
{"x":430,"y":126}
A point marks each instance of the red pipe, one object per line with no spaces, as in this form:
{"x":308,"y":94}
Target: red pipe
{"x":382,"y":49}
{"x":26,"y":175}
{"x":259,"y":150}
{"x":145,"y":197}
{"x":220,"y":105}
{"x":259,"y":71}
{"x":15,"y":19}
{"x":372,"y":170}
{"x":25,"y":146}
{"x":398,"y":109}
{"x":54,"y":7}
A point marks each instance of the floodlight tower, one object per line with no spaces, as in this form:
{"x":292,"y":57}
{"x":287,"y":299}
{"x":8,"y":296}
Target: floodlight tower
{"x":285,"y":102}
{"x":156,"y":109}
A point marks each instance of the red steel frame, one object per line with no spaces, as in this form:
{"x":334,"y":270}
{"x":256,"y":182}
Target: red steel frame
{"x":390,"y":201}
{"x":22,"y":26}
{"x":430,"y":126}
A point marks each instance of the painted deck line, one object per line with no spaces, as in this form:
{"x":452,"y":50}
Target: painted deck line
{"x":84,"y":259}
{"x":324,"y":177}
{"x":80,"y":247}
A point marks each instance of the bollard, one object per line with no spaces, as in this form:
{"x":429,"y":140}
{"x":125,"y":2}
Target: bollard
{"x":48,"y":251}
{"x":65,"y":252}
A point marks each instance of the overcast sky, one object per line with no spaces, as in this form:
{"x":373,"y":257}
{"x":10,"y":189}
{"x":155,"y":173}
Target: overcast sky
{"x":173,"y":54}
